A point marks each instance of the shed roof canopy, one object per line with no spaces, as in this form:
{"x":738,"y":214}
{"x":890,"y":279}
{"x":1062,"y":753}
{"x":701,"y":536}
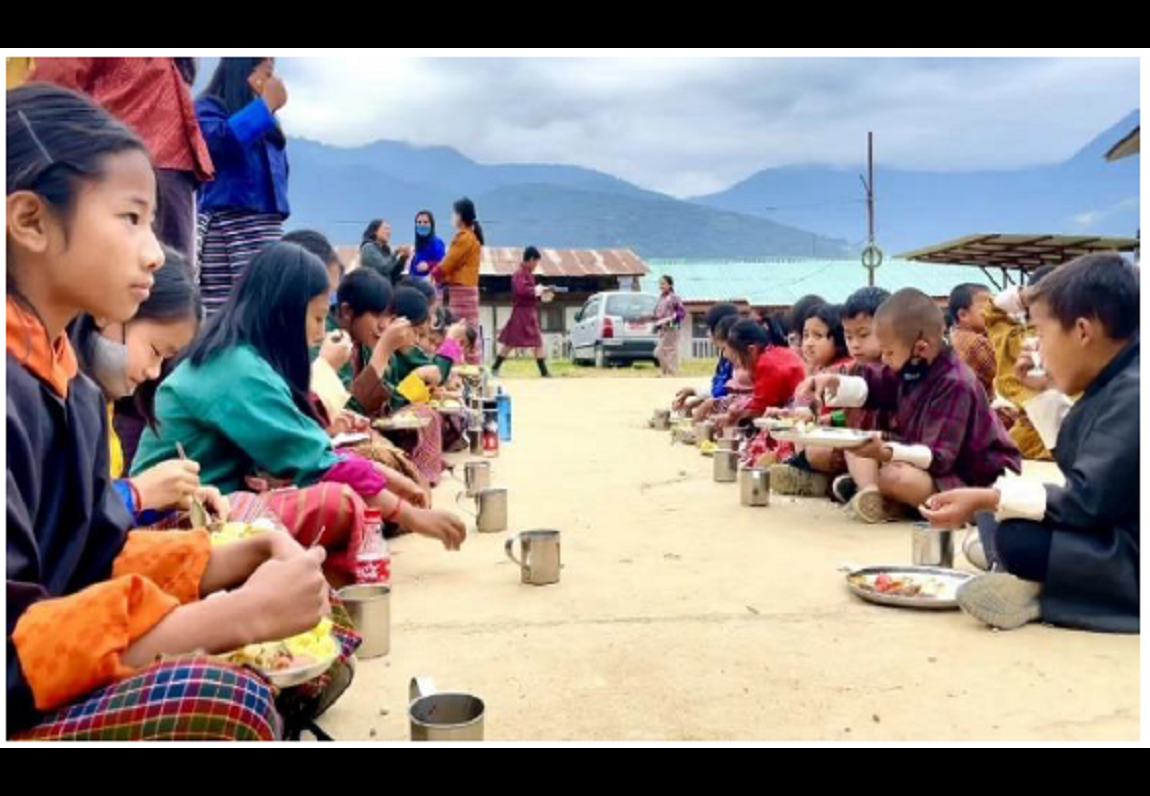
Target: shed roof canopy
{"x":1025,"y":252}
{"x":1127,"y":147}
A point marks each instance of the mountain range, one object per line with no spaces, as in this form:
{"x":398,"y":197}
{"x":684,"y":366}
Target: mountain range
{"x":794,"y":211}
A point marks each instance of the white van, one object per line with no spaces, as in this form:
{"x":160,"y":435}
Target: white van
{"x":610,"y":328}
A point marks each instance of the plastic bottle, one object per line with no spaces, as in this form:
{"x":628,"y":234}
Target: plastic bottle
{"x":373,"y":561}
{"x":503,"y":402}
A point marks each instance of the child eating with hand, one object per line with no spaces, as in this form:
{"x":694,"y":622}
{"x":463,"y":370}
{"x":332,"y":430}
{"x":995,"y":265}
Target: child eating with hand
{"x":950,"y":436}
{"x":1069,"y":555}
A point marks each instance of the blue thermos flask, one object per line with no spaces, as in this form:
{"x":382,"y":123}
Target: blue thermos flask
{"x":503,"y":403}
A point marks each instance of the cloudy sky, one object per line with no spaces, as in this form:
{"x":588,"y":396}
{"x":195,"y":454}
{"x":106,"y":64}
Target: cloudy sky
{"x":692,"y":126}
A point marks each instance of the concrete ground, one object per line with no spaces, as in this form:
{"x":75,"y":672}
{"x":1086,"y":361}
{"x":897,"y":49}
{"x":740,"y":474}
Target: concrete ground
{"x":683,"y":616}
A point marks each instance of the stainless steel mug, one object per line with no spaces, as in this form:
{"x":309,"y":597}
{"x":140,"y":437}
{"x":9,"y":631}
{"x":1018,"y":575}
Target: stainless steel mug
{"x":491,"y":510}
{"x":731,"y":442}
{"x":932,"y":548}
{"x":540,"y":564}
{"x":755,"y":486}
{"x":369,"y":607}
{"x":726,"y":467}
{"x":443,"y":718}
{"x":476,"y":477}
{"x":705,"y":432}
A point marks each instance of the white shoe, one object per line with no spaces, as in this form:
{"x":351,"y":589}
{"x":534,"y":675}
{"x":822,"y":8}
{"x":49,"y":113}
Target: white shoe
{"x":871,"y":507}
{"x":1001,"y":600}
{"x":974,"y":551}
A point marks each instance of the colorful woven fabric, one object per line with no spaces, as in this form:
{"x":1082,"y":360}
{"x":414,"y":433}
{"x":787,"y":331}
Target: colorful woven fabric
{"x":187,"y":699}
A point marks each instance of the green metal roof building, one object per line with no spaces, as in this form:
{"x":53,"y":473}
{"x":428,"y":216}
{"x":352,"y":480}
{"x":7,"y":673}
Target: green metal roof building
{"x":780,"y":283}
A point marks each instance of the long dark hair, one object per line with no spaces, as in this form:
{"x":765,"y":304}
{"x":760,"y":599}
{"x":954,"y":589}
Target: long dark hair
{"x":421,"y":242}
{"x":831,"y":316}
{"x":466,"y":210}
{"x":229,"y":86}
{"x":371,"y":231}
{"x":745,"y":334}
{"x":174,"y":298}
{"x":268,"y":311}
{"x":56,"y":141}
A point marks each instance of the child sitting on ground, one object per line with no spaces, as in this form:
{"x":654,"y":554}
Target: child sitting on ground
{"x":699,"y":403}
{"x":951,"y":437}
{"x":1068,"y":555}
{"x":858,"y":327}
{"x":968,"y":305}
{"x":825,"y":352}
{"x":1009,"y":329}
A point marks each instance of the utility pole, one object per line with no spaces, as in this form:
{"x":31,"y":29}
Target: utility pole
{"x":872,"y":255}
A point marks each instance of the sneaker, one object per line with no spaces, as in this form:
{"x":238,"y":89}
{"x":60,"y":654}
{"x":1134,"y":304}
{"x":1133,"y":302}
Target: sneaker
{"x":974,"y":551}
{"x":844,"y":489}
{"x":871,"y":507}
{"x":788,"y":480}
{"x":1001,"y":601}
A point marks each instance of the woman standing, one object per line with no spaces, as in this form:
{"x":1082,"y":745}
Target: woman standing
{"x":375,"y":252}
{"x":153,"y":97}
{"x":522,"y":331}
{"x":429,"y":247}
{"x":244,"y":208}
{"x":459,"y":271}
{"x":669,"y":316}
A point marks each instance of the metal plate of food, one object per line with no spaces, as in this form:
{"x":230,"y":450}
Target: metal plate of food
{"x":921,"y":588}
{"x":293,"y":661}
{"x":402,"y":423}
{"x":824,"y":437}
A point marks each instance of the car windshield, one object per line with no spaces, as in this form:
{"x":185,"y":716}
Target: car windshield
{"x":631,"y":307}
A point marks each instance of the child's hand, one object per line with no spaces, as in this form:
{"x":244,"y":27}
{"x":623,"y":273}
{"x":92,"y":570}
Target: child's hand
{"x":399,"y":336}
{"x":447,"y":528}
{"x":681,"y":398}
{"x":286,"y":598}
{"x":169,"y":485}
{"x":816,"y":388}
{"x":336,"y":350}
{"x":874,"y":449}
{"x":282,"y":546}
{"x":215,"y":502}
{"x":955,"y":509}
{"x":1025,"y":371}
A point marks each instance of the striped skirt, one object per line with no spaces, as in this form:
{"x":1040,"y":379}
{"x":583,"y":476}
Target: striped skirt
{"x":464,"y":305}
{"x":226,"y":242}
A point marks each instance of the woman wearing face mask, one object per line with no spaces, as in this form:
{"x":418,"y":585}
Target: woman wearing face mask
{"x":429,"y":248}
{"x":123,"y":358}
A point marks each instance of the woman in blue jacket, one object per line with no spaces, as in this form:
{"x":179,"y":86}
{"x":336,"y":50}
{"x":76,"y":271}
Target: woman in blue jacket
{"x":429,"y":248}
{"x":244,"y":208}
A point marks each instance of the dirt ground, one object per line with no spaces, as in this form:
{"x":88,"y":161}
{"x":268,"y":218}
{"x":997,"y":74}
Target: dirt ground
{"x":684,"y":616}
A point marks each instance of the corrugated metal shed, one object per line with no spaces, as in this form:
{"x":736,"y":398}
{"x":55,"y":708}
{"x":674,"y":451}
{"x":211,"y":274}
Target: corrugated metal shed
{"x":565,"y":262}
{"x":780,"y":283}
